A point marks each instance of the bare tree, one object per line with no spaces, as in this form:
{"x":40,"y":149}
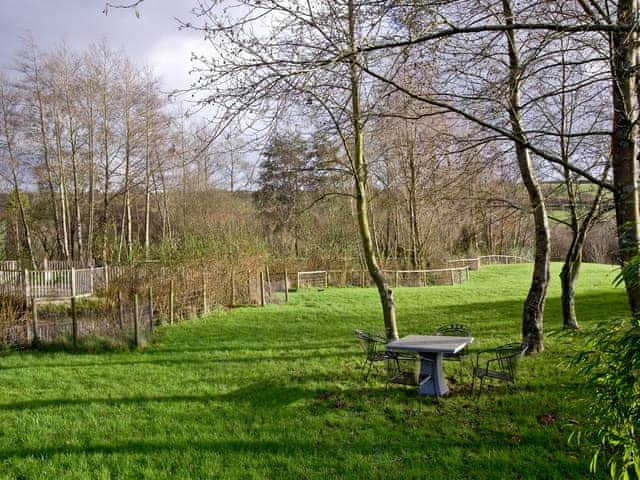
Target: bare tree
{"x":8,"y":128}
{"x":272,"y":53}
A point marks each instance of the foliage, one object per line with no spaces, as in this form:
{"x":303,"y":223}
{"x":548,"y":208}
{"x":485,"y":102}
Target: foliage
{"x":83,"y":305}
{"x":611,"y":365}
{"x":612,"y":368}
{"x":94,"y":344}
{"x":277,"y":392}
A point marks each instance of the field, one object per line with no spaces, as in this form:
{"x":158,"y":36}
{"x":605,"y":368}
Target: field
{"x":277,"y":392}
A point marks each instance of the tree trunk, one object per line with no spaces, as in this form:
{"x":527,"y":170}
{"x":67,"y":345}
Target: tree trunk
{"x":147,"y":199}
{"x":360,"y":178}
{"x":92,"y":195}
{"x":106,"y":172}
{"x":64,"y":207}
{"x":532,"y":320}
{"x":624,"y":143}
{"x":568,"y":278}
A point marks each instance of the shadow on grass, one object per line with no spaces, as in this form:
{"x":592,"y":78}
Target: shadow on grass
{"x":259,"y":395}
{"x":172,"y":361}
{"x":268,"y":395}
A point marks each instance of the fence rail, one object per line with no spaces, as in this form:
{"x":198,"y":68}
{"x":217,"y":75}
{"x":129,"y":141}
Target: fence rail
{"x":397,"y":278}
{"x":477,"y":262}
{"x":169,"y":294}
{"x":503,"y":259}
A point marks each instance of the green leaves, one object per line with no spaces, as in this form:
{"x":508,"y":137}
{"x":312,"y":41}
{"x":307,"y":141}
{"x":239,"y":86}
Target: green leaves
{"x":612,"y":370}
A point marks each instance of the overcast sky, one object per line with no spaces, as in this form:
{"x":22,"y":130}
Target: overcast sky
{"x":153,"y":39}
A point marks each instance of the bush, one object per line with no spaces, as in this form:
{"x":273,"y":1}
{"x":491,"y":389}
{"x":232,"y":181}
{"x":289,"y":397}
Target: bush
{"x":611,"y":366}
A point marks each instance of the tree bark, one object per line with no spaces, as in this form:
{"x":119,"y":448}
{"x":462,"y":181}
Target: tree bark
{"x":568,"y":278}
{"x":624,"y":143}
{"x":532,"y":319}
{"x":90,"y":161}
{"x":360,"y":179}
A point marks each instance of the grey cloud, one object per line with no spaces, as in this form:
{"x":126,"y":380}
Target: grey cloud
{"x":151,"y":39}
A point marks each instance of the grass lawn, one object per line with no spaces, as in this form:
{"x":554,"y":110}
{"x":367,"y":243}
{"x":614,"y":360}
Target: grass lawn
{"x":277,"y":392}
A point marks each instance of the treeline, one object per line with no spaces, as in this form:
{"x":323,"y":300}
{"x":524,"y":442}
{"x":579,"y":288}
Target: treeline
{"x":94,"y":154}
{"x":99,"y":164}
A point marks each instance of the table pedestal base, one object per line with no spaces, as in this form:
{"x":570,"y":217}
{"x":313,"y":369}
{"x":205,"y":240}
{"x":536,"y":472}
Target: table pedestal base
{"x":431,"y":364}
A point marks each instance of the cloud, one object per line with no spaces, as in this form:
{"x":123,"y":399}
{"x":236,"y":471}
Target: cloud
{"x":153,"y":39}
{"x":170,"y":60}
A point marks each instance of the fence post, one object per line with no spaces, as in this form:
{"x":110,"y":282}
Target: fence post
{"x":204,"y":294}
{"x":171,"y":302}
{"x":73,"y":282}
{"x":233,"y":287}
{"x":466,"y":271}
{"x":120,"y":310}
{"x":286,"y":285}
{"x":326,"y":280}
{"x":27,"y":289}
{"x":74,"y":322}
{"x":106,"y":276}
{"x":397,"y":278}
{"x":150,"y":296}
{"x":34,"y":307}
{"x":262,"y":289}
{"x":298,"y":281}
{"x":362,"y":278}
{"x":268,"y":280}
{"x":136,"y":336}
{"x":452,"y":278}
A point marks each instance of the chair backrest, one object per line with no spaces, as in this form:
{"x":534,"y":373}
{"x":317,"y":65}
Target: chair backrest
{"x":368,"y":342}
{"x":454,"y":330}
{"x":509,"y":356}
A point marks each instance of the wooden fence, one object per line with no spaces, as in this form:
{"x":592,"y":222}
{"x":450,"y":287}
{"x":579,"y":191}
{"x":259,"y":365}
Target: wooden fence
{"x":127,"y":319}
{"x":477,"y":262}
{"x":57,"y":283}
{"x":396,"y":278}
{"x":127,"y":302}
{"x":503,"y":259}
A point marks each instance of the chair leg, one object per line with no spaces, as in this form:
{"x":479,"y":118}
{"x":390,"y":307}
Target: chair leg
{"x":366,"y":377}
{"x":480,"y":388}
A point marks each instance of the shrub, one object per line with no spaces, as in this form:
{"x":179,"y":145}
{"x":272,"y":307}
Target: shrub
{"x":611,"y":366}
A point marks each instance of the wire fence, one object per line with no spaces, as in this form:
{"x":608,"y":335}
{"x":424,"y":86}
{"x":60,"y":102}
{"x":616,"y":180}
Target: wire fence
{"x":125,"y":303}
{"x":126,"y":308}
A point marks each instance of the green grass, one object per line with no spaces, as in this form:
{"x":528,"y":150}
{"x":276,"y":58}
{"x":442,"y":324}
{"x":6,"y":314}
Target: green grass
{"x":277,"y":392}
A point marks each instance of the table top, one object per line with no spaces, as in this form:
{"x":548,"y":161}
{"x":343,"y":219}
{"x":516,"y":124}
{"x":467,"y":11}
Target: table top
{"x":430,"y":343}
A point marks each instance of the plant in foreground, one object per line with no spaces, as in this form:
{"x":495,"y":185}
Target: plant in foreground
{"x":611,"y":365}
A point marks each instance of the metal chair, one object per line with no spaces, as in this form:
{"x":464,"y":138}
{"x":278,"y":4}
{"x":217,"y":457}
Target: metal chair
{"x":455,"y":330}
{"x":404,"y":369}
{"x":373,"y":347}
{"x":502,"y":364}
